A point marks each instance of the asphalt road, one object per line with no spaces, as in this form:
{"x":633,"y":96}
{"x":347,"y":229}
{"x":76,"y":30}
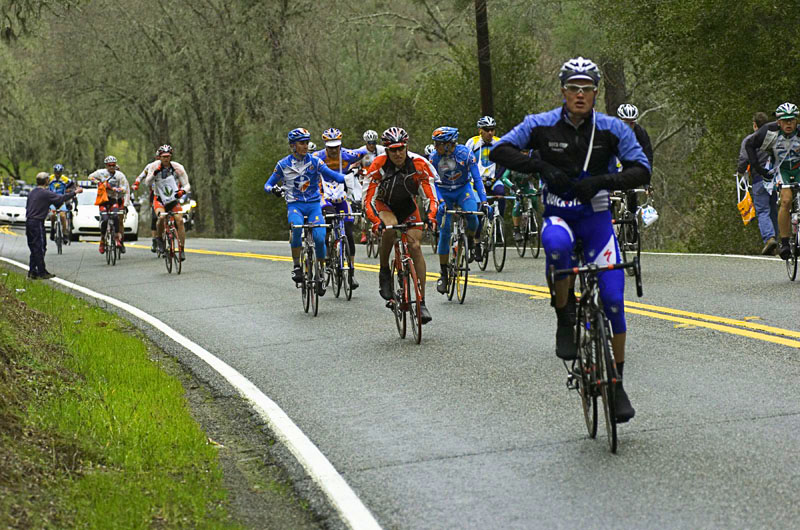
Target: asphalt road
{"x":475,"y":428}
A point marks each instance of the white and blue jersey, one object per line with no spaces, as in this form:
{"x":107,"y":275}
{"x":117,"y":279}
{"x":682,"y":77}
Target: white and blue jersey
{"x":458,"y":170}
{"x":301,"y":178}
{"x":564,"y":145}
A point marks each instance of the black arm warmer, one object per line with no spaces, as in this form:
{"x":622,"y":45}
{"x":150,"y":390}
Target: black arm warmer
{"x":632,"y":176}
{"x":512,"y":158}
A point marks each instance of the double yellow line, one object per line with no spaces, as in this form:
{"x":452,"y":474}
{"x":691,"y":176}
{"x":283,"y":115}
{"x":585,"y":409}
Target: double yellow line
{"x":6,"y":229}
{"x":743,"y":328}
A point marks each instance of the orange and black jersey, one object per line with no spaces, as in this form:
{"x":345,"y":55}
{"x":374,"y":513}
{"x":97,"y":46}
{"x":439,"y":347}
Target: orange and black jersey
{"x":397,"y":187}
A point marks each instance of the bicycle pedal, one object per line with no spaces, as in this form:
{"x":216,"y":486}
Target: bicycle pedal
{"x":572,"y":382}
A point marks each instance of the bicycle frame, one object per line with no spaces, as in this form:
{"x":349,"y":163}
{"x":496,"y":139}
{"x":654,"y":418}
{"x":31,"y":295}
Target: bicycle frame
{"x":407,"y":299}
{"x":458,"y":264}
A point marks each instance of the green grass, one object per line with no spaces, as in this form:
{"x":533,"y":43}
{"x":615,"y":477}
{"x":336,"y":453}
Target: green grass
{"x":92,"y":432}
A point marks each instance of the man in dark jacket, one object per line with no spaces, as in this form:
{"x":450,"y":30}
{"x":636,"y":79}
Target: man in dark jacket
{"x":628,"y":113}
{"x":764,"y":194}
{"x":38,"y":207}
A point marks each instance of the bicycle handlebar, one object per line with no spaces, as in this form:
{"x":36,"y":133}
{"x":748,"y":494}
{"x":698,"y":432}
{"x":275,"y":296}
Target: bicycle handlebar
{"x":403,"y":226}
{"x":463,"y":212}
{"x":312,"y":226}
{"x":497,"y":198}
{"x":591,"y":268}
{"x":792,"y":186}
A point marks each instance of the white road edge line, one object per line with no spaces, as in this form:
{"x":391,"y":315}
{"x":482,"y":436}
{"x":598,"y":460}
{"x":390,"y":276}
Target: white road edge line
{"x":350,"y":508}
{"x":741,"y":256}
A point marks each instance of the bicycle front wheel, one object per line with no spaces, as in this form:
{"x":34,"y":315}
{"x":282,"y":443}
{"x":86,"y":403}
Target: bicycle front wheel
{"x":462,"y":269}
{"x":347,"y":270}
{"x":335,"y":267}
{"x":791,"y":263}
{"x":176,"y":256}
{"x":59,"y":236}
{"x":398,"y":298}
{"x":308,"y":279}
{"x":586,"y":370}
{"x":319,"y":279}
{"x":607,"y":372}
{"x":486,"y":243}
{"x":414,"y":293}
{"x":521,"y":245}
{"x":499,"y":246}
{"x":535,"y":234}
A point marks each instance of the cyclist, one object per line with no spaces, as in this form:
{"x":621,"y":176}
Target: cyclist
{"x":394,"y":180}
{"x":343,"y":161}
{"x":781,"y":139}
{"x":576,"y":145}
{"x":334,"y":200}
{"x":143,"y":174}
{"x":373,"y":149}
{"x":628,"y":113}
{"x":170,"y":182}
{"x":528,"y":185}
{"x":300,"y":173}
{"x":458,"y":173}
{"x":59,"y":183}
{"x":113,"y":195}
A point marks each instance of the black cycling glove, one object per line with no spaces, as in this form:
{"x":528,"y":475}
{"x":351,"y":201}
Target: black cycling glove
{"x":557,"y":181}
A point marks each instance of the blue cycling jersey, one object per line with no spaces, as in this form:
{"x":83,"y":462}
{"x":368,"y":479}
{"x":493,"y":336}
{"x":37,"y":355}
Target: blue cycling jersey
{"x":301,"y":178}
{"x":458,"y":170}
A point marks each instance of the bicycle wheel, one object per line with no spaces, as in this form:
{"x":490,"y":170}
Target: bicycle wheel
{"x":462,"y":266}
{"x":485,"y":242}
{"x":523,"y":226}
{"x":397,"y":298}
{"x":68,"y":237}
{"x":452,"y":268}
{"x":59,"y":236}
{"x":622,"y":236}
{"x":346,"y":271}
{"x":169,"y":248}
{"x":308,"y":283}
{"x":499,"y":245}
{"x":114,"y":250}
{"x":607,"y":374}
{"x":370,"y":244}
{"x":176,"y":256}
{"x":318,"y":277}
{"x":335,"y":268}
{"x":587,"y":371}
{"x":633,"y":237}
{"x":791,"y":263}
{"x":414,"y":299}
{"x":535,"y":234}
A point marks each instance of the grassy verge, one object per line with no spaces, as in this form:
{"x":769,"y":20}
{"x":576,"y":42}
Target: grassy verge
{"x":92,"y":432}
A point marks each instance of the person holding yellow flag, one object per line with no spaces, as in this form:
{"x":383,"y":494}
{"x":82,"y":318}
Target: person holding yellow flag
{"x":763,"y":196}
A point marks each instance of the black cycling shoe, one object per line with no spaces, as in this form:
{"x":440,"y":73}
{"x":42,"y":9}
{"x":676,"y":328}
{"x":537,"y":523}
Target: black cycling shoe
{"x":478,"y":252}
{"x":441,"y":284}
{"x":297,"y":274}
{"x":385,"y":281}
{"x":154,"y":246}
{"x":622,"y":405}
{"x":424,"y":314}
{"x":353,"y":282}
{"x":121,"y":247}
{"x":566,"y":349}
{"x":319,"y":286}
{"x":785,"y":252}
{"x":518,"y":236}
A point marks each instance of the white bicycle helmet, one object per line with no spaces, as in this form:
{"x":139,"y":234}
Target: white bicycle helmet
{"x":627,"y":111}
{"x":429,"y":149}
{"x":371,"y":136}
{"x":312,"y":147}
{"x":786,"y":111}
{"x":579,"y":68}
{"x":110,"y":160}
{"x":486,"y":122}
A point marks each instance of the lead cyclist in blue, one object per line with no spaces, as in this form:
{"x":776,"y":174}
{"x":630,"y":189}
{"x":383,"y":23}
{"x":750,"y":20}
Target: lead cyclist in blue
{"x":300,"y":173}
{"x":576,"y":144}
{"x":459,"y":180}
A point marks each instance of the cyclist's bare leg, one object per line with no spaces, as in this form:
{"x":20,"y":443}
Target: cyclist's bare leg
{"x":63,"y":216}
{"x":181,"y":231}
{"x":388,"y":237}
{"x":783,"y":212}
{"x":159,"y":222}
{"x":515,"y":221}
{"x":414,"y":237}
{"x":618,"y":345}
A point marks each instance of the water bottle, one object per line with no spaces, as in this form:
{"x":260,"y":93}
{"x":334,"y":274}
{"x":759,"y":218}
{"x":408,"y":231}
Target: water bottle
{"x":795,"y":222}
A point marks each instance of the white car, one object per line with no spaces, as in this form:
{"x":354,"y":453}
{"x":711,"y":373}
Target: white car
{"x":86,"y":221}
{"x":12,"y":209}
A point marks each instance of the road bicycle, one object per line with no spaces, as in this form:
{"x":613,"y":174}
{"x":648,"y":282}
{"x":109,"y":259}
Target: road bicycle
{"x":110,"y":239}
{"x":339,"y":271}
{"x":530,"y":224}
{"x":406,"y":288}
{"x":171,"y":247}
{"x":626,"y":225}
{"x":594,"y":373}
{"x":313,"y":275}
{"x":794,"y":240}
{"x":458,"y":263}
{"x":493,"y":239}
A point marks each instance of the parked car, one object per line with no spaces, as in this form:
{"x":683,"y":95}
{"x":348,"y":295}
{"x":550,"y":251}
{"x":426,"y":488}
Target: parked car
{"x":86,"y":220}
{"x":12,"y":209}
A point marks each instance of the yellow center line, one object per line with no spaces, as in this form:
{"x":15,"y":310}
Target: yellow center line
{"x":724,"y":324}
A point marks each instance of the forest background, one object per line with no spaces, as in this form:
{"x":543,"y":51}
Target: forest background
{"x":224,"y":80}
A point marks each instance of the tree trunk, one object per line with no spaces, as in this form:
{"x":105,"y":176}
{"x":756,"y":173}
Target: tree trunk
{"x":616,"y":92}
{"x":484,"y":59}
